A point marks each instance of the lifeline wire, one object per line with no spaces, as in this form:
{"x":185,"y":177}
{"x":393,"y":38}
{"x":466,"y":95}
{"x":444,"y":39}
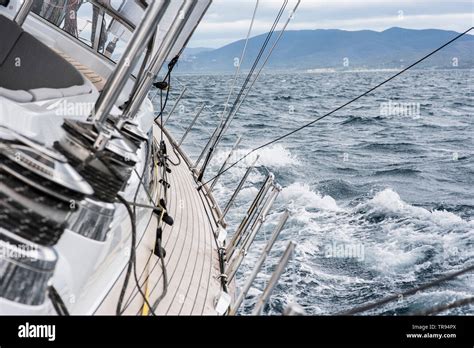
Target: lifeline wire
{"x":407,"y":293}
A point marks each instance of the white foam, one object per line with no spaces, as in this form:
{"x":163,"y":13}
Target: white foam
{"x":276,"y":156}
{"x":306,"y":198}
{"x":390,"y":201}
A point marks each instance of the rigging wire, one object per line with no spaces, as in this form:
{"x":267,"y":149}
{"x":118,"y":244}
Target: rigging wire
{"x":244,"y":51}
{"x":309,"y":124}
{"x":272,"y":49}
{"x":242,"y":90}
{"x":413,"y":291}
{"x":445,"y":307}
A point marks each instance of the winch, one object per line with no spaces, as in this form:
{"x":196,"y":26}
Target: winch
{"x":38,"y":189}
{"x":107,"y":170}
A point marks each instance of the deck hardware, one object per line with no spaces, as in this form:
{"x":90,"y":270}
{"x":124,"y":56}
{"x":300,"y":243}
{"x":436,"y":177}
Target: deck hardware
{"x":29,"y":267}
{"x":158,"y":249}
{"x":164,"y":183}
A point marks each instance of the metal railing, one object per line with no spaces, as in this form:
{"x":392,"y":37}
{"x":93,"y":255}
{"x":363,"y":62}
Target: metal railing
{"x":222,"y":168}
{"x":114,"y":14}
{"x":263,"y":300}
{"x":193,"y":122}
{"x":240,"y":250}
{"x":163,"y":52}
{"x":23,"y":12}
{"x":238,"y":189}
{"x":236,"y":238}
{"x":175,"y":105}
{"x":234,"y":252}
{"x":258,"y":266}
{"x":122,"y":72}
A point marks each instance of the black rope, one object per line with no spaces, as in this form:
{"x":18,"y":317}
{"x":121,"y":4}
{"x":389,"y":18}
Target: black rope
{"x":165,"y":84}
{"x":57,"y":301}
{"x":413,"y":291}
{"x":165,"y":276}
{"x":242,"y":90}
{"x":129,"y":267}
{"x":340,"y":107}
{"x":132,"y":265}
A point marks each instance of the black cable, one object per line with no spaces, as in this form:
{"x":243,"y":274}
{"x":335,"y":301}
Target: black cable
{"x":340,"y":107}
{"x":119,"y":310}
{"x":132,"y":260}
{"x":413,"y":291}
{"x":177,"y":156}
{"x":244,"y":86}
{"x":166,"y":80}
{"x":132,"y":295}
{"x":57,"y":301}
{"x":165,"y":277}
{"x":163,"y":106}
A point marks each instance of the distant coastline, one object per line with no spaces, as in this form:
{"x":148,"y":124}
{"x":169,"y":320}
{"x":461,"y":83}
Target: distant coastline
{"x":323,"y":51}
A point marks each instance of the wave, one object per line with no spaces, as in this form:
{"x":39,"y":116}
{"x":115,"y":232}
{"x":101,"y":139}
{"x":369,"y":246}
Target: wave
{"x":398,"y":171}
{"x":396,"y":147}
{"x":302,"y":195}
{"x":276,"y":156}
{"x":283,"y":97}
{"x":388,"y":202}
{"x":339,"y":189}
{"x":361,"y":120}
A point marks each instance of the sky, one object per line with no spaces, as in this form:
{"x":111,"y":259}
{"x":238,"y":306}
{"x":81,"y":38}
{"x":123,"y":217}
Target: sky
{"x":229,"y":20}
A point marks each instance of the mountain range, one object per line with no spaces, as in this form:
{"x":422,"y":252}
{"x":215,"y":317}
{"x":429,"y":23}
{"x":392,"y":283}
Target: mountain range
{"x":301,"y":50}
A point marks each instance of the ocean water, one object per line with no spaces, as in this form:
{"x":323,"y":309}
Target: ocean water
{"x":381,"y":194}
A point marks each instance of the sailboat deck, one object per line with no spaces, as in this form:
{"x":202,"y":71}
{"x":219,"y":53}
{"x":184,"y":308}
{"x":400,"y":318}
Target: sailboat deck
{"x":191,"y":261}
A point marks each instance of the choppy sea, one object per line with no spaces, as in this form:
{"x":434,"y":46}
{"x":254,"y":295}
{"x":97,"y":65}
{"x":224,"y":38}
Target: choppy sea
{"x":381,"y":194}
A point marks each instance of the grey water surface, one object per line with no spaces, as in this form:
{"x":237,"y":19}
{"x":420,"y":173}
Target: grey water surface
{"x":381,"y":193}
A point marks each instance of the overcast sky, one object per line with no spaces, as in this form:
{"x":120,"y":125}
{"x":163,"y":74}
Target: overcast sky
{"x":229,"y":20}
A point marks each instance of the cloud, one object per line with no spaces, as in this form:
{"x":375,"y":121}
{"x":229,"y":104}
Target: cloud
{"x":229,"y":20}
